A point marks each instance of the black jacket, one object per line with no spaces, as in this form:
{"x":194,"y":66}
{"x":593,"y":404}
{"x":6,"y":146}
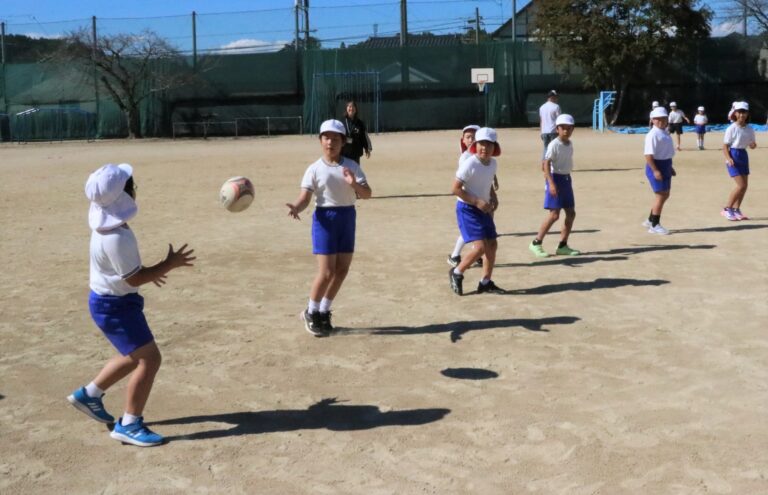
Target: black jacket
{"x":357,"y":139}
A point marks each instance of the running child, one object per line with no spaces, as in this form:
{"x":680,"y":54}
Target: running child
{"x":738,"y":137}
{"x":117,"y":308}
{"x":335,"y":182}
{"x":659,"y":150}
{"x":473,"y":186}
{"x":676,"y":118}
{"x":467,"y":138}
{"x":700,"y":121}
{"x":558,"y":188}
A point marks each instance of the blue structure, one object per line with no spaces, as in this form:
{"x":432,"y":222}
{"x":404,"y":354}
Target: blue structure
{"x":598,"y":109}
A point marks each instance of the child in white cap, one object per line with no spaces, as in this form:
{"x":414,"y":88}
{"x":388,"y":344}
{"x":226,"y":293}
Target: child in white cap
{"x":654,"y":104}
{"x":336,"y":182}
{"x":676,"y":118}
{"x":558,"y":188}
{"x":473,"y":186}
{"x":467,"y":138}
{"x":700,"y":120}
{"x":659,"y":150}
{"x":116,"y":306}
{"x":738,"y":137}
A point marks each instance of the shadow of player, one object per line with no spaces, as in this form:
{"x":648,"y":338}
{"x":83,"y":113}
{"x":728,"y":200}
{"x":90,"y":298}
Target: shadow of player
{"x":328,"y":414}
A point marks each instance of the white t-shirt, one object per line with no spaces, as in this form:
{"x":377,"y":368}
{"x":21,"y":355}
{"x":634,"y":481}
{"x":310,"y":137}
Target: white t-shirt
{"x":476,"y":177}
{"x":548,"y":113}
{"x":465,"y":155}
{"x":676,"y":116}
{"x":700,"y":119}
{"x":114,"y":257}
{"x":561,"y":156}
{"x":739,"y":137}
{"x":327,"y":182}
{"x":659,"y":143}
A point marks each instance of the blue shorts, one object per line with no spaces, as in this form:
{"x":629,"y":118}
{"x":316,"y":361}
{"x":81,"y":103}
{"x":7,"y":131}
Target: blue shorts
{"x":665,"y":167}
{"x":564,"y":198}
{"x":474,"y":225}
{"x":121,"y":320}
{"x":333,"y":230}
{"x":701,"y":129}
{"x":740,"y":162}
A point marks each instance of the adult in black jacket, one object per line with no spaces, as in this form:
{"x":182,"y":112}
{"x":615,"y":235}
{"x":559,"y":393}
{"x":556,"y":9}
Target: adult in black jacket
{"x":357,"y":137}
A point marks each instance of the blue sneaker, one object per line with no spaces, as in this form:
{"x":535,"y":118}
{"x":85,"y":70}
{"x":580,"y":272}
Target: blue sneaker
{"x":90,"y":406}
{"x":136,"y":434}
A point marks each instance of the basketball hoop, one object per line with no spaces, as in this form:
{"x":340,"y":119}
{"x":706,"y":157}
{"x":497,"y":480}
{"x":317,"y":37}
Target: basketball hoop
{"x":481,"y":85}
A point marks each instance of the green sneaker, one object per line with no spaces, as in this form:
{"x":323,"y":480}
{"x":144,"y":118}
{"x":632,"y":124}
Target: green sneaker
{"x":566,"y":251}
{"x":538,"y":250}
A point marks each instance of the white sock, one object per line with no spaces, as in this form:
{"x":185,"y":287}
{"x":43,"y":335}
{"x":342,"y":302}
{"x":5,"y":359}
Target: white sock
{"x":93,"y":391}
{"x":325,"y":305}
{"x":485,"y":281}
{"x":129,"y":419}
{"x":457,"y":271}
{"x":313,"y":306}
{"x":457,"y":248}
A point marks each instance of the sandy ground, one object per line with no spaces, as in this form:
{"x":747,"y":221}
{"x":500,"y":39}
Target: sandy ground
{"x":639,"y":367}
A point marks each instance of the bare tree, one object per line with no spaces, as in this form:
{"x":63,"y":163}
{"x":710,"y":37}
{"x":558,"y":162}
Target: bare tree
{"x":130,"y":67}
{"x":748,"y":12}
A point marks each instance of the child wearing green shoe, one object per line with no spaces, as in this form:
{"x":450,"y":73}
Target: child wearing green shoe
{"x":558,"y":189}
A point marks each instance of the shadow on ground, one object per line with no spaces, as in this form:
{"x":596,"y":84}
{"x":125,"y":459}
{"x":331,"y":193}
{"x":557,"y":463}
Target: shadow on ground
{"x":727,"y":228}
{"x":327,"y":414}
{"x":598,"y":283}
{"x":469,"y":373}
{"x":458,"y":328}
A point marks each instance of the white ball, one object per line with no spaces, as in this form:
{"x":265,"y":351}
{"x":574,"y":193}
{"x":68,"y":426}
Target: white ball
{"x":236,"y":194}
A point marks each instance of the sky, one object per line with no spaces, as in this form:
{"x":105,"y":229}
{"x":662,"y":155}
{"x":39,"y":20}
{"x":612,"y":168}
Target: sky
{"x":241,"y":26}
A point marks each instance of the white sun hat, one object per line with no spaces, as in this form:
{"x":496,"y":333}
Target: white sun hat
{"x":564,"y":119}
{"x":700,"y":109}
{"x":471,"y":127}
{"x":741,"y":105}
{"x":673,"y":105}
{"x":654,"y":104}
{"x":333,"y":126}
{"x":111,"y":206}
{"x":486,"y":134}
{"x":659,"y":112}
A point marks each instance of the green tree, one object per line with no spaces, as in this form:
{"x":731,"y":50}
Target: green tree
{"x":616,"y":42}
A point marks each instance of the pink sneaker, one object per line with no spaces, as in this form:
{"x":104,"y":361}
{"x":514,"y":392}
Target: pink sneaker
{"x":739,"y":215}
{"x":728,"y":213}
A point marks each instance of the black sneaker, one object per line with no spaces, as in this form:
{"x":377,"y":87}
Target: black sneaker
{"x":456,"y":282}
{"x":325,"y":322}
{"x":490,"y":287}
{"x":313,"y":324}
{"x":454,"y":260}
{"x":479,"y":262}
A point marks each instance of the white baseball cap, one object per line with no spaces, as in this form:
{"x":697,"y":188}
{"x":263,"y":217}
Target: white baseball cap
{"x":486,"y":134}
{"x":673,"y":105}
{"x":564,"y":119}
{"x":741,"y":105}
{"x":471,"y":127}
{"x":552,"y":93}
{"x":659,"y":112}
{"x":333,"y":126}
{"x":111,"y":206}
{"x":700,"y":109}
{"x":654,"y":104}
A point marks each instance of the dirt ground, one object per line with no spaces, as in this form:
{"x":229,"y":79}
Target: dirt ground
{"x":640,"y":366}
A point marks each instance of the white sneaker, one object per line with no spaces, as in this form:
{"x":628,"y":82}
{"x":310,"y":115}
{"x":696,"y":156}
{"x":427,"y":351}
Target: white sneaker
{"x":658,"y":229}
{"x":646,"y":223}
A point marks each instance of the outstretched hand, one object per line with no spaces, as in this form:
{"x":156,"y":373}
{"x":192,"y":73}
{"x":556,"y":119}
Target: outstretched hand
{"x":293,"y":211}
{"x":179,"y":258}
{"x":349,"y":176}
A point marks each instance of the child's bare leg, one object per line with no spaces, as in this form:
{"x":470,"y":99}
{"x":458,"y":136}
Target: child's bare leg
{"x":738,"y":192}
{"x":115,"y":370}
{"x":326,"y":265}
{"x":547,"y":224}
{"x":478,"y":249}
{"x":343,"y":261}
{"x":565,"y":232}
{"x":147,"y":359}
{"x":658,"y":202}
{"x":490,"y":246}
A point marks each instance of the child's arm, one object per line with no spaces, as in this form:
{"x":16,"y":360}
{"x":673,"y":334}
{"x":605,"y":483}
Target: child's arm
{"x":157,"y":273}
{"x":300,"y":204}
{"x":651,"y":163}
{"x":459,"y":191}
{"x":363,"y":190}
{"x":546,"y":165}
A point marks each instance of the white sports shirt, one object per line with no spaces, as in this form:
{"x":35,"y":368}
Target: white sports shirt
{"x":476,"y":177}
{"x":739,"y":137}
{"x":700,"y":119}
{"x":327,"y":182}
{"x":548,"y":113}
{"x":676,"y":116}
{"x":114,"y":257}
{"x":561,"y":156}
{"x":659,"y":143}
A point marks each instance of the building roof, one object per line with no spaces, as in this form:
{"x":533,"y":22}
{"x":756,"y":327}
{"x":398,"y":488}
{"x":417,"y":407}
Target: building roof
{"x":417,"y":40}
